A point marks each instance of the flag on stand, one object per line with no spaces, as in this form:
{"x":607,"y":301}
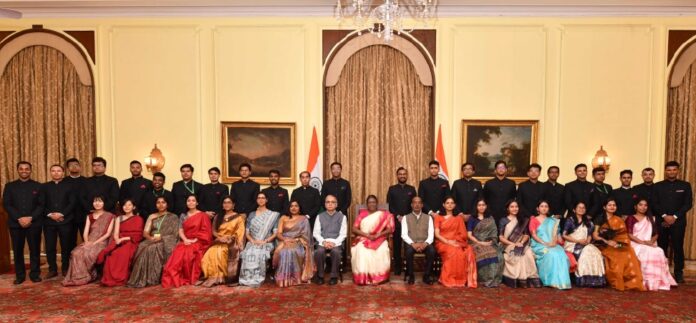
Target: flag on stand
{"x":440,"y":155}
{"x":314,"y":165}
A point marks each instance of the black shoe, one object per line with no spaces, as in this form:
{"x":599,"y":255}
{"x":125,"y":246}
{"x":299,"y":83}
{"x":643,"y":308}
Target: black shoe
{"x":428,"y":281}
{"x":411,"y":280}
{"x":318,"y":280}
{"x":333,"y":281}
{"x":51,"y":274}
{"x":679,"y":277}
{"x":397,"y":272}
{"x":35,"y":279}
{"x":18,"y":281}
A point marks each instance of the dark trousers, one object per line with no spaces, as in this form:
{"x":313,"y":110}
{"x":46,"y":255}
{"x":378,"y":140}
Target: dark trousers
{"x":320,"y":259}
{"x":429,"y":259}
{"x":79,"y":229}
{"x":675,"y":234}
{"x":396,"y":245}
{"x":66,"y":234}
{"x":32,"y":235}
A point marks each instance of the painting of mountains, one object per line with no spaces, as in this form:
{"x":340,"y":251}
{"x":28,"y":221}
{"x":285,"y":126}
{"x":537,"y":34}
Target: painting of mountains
{"x":265,"y":146}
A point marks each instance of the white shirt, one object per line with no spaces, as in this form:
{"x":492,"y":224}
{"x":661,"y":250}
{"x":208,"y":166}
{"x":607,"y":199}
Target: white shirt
{"x":341,"y":234}
{"x":431,"y":230}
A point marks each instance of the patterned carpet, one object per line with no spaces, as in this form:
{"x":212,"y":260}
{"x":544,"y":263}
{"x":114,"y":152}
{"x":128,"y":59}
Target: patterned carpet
{"x":395,"y":301}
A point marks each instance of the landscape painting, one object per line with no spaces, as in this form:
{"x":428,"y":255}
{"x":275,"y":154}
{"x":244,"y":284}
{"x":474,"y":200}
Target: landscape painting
{"x":265,"y":146}
{"x":485,"y":142}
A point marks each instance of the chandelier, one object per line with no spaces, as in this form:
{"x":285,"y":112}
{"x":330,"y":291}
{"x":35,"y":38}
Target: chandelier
{"x":383,"y":20}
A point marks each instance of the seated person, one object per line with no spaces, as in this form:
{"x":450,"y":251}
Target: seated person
{"x":418,"y":234}
{"x":330,"y":229}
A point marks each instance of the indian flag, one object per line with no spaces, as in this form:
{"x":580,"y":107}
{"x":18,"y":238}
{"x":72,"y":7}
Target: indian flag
{"x":440,"y":155}
{"x":314,"y":166}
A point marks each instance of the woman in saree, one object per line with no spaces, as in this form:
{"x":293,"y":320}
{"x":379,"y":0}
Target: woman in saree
{"x":483,"y":234}
{"x":195,"y":233}
{"x":96,"y":235}
{"x":293,"y":258}
{"x":161,"y":233}
{"x":520,"y":267}
{"x":620,"y":262}
{"x":653,"y":263}
{"x":221,"y":261}
{"x":118,"y":256}
{"x":577,"y":234}
{"x":261,"y":230}
{"x":370,"y":257}
{"x":552,"y":262}
{"x":458,"y":259}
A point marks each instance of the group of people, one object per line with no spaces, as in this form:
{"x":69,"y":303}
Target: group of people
{"x":531,"y":235}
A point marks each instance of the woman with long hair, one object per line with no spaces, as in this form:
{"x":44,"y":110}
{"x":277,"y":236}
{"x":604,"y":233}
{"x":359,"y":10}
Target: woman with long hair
{"x":577,"y":234}
{"x":552,"y":262}
{"x":458,"y":259}
{"x":483,"y":234}
{"x":118,"y":256}
{"x":221,"y":260}
{"x":520,"y":268}
{"x":261,"y":231}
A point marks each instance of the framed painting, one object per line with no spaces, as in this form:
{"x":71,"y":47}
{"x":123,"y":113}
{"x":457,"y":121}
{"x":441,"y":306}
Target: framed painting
{"x":263,"y":145}
{"x":486,"y":141}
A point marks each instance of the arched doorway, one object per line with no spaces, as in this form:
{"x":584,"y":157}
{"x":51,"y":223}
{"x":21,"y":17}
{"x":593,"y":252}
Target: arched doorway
{"x":378,"y":112}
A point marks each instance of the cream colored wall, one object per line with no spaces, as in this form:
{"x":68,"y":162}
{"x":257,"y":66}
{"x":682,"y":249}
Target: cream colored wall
{"x":589,"y":82}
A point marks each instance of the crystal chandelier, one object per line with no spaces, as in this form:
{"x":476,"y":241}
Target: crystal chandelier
{"x":387,"y":18}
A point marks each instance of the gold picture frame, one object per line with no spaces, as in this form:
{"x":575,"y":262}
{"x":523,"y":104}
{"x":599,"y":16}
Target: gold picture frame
{"x":264,"y":145}
{"x":486,"y":141}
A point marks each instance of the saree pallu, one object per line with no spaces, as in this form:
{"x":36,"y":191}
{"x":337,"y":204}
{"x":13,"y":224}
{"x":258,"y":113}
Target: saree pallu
{"x":220,"y":262}
{"x":552,"y":263}
{"x":184,"y":265}
{"x":83,"y":258}
{"x":520,"y":267}
{"x":254,"y":257}
{"x":117,"y":258}
{"x":458,"y":263}
{"x":152,"y":255}
{"x":621,"y":264}
{"x":293,"y":260}
{"x":653,"y":263}
{"x":590,"y":268}
{"x":489,"y":259}
{"x":370,"y":259}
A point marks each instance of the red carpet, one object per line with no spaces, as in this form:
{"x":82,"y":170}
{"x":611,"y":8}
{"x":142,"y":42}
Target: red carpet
{"x":395,"y":301}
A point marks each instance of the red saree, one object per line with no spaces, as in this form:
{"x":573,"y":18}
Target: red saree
{"x":184,"y":265}
{"x":458,"y":263}
{"x":117,"y":258}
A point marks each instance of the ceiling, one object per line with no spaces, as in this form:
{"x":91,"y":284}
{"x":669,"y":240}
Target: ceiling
{"x":107,"y":8}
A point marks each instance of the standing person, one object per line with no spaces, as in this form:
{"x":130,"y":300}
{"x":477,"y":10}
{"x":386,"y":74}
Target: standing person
{"x":58,"y":202}
{"x":20,"y":199}
{"x":150,"y":198}
{"x":399,"y":198}
{"x":625,"y":195}
{"x":600,"y":191}
{"x":118,"y":256}
{"x":418,"y":233}
{"x":338,"y":187}
{"x":458,"y":259}
{"x":467,"y":190}
{"x":308,"y":197}
{"x":554,"y":192}
{"x":329,"y":232}
{"x":433,"y":189}
{"x":245,"y":191}
{"x":136,"y":187}
{"x":370,"y":259}
{"x":552,"y":261}
{"x":498,"y":191}
{"x":100,"y":184}
{"x":184,"y":188}
{"x":78,"y":183}
{"x":277,"y":196}
{"x":578,"y":190}
{"x":673,"y":198}
{"x":645,"y":189}
{"x":531,"y":191}
{"x":211,"y":194}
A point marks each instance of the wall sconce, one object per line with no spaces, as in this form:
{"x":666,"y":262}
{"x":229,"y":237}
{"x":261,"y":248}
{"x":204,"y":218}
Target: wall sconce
{"x":601,"y":159}
{"x":155,"y":161}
